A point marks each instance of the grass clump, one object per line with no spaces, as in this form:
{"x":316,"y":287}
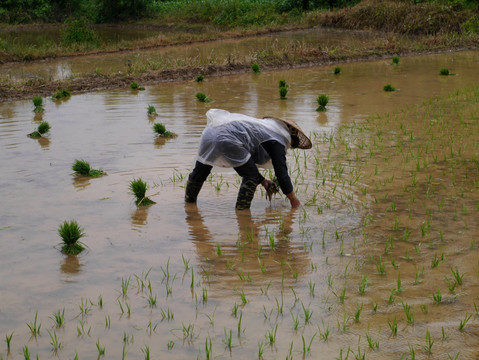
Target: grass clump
{"x":389,"y":87}
{"x":255,"y":67}
{"x":135,"y":86}
{"x":160,"y":129}
{"x":322,"y":100}
{"x":200,"y":78}
{"x":337,"y":70}
{"x":71,"y":232}
{"x":395,"y":60}
{"x":138,"y":188}
{"x":37,"y":103}
{"x":61,"y":94}
{"x":82,"y":167}
{"x":43,"y":128}
{"x":202,"y":97}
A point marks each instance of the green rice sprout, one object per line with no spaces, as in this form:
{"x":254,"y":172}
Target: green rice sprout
{"x":283,"y":91}
{"x":255,"y":67}
{"x":59,"y":318}
{"x":200,"y":78}
{"x":429,"y":343}
{"x":61,"y":94}
{"x":38,"y":103}
{"x":101,"y":349}
{"x":34,"y":326}
{"x":138,"y":188}
{"x":389,"y":87}
{"x":43,"y":128}
{"x":395,"y":60}
{"x":70,"y":232}
{"x":82,"y":167}
{"x":8,"y":339}
{"x":322,"y":100}
{"x":337,"y":70}
{"x":151,"y":110}
{"x":26,"y":353}
{"x":202,"y":97}
{"x":463,"y":323}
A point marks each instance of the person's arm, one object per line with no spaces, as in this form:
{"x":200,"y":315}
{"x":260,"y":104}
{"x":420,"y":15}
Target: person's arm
{"x":277,"y":152}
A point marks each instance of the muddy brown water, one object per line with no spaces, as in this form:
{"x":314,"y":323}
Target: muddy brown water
{"x":199,"y":53}
{"x":258,"y":273}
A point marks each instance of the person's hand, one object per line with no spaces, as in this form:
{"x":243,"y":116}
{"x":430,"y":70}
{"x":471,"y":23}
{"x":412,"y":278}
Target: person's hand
{"x":267,"y":183}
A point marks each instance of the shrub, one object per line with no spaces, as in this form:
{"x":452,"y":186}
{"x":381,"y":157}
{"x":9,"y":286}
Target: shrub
{"x":78,"y":31}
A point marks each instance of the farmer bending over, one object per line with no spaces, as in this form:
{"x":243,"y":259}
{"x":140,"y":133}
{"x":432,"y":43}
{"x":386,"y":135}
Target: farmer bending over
{"x":240,"y":141}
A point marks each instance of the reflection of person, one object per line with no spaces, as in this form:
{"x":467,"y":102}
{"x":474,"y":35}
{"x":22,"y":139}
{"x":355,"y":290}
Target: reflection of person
{"x":240,"y":141}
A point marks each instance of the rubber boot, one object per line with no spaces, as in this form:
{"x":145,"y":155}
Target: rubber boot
{"x":246,"y":194}
{"x":192,"y":190}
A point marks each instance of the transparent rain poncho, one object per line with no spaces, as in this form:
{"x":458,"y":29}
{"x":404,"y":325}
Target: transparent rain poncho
{"x":231,"y":139}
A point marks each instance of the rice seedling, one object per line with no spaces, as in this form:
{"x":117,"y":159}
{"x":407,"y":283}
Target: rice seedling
{"x":70,"y":233}
{"x":283,"y":91}
{"x":444,"y":72}
{"x":373,"y":344}
{"x":42,"y":129}
{"x":306,"y":349}
{"x":82,"y":167}
{"x":282,"y":83}
{"x":271,"y":335}
{"x":160,"y":129}
{"x":322,"y":101}
{"x":457,"y":275}
{"x":395,"y":60}
{"x":200,"y":78}
{"x":393,"y":325}
{"x":170,"y":345}
{"x":37,"y":103}
{"x":107,"y":322}
{"x":202,"y":97}
{"x":26,"y":353}
{"x":151,"y":110}
{"x":389,"y":87}
{"x":409,"y":313}
{"x":34,"y":326}
{"x":429,"y":343}
{"x":307,"y":313}
{"x":357,"y":314}
{"x":59,"y":318}
{"x":337,"y":70}
{"x":255,"y":67}
{"x":54,"y":342}
{"x":8,"y":340}
{"x":61,"y":94}
{"x":463,"y":323}
{"x":85,"y":307}
{"x":362,"y":285}
{"x":101,"y":349}
{"x":138,"y":188}
{"x":81,"y":331}
{"x":450,"y":357}
{"x":135,"y":86}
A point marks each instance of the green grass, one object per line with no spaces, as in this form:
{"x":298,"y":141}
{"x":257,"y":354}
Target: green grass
{"x":70,"y":233}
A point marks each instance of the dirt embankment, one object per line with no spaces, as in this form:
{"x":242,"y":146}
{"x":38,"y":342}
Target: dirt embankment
{"x":406,"y":29}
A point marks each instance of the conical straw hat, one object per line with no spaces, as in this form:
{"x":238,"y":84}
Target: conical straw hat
{"x":304,"y":142}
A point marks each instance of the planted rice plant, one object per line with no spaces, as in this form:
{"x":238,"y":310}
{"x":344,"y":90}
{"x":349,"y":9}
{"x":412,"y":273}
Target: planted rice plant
{"x":138,"y":188}
{"x":82,"y":167}
{"x":337,"y":70}
{"x":283,"y":91}
{"x":200,"y":78}
{"x":255,"y":67}
{"x":395,"y":60}
{"x":151,"y":110}
{"x":70,"y":233}
{"x":42,"y":129}
{"x":135,"y":86}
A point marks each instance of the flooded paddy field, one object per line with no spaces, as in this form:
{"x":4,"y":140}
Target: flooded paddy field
{"x":381,"y":261}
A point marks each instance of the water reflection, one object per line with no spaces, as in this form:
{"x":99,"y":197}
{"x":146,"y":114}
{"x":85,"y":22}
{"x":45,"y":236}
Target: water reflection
{"x":80,"y":182}
{"x":44,"y":142}
{"x":140,"y":216}
{"x":70,"y":265}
